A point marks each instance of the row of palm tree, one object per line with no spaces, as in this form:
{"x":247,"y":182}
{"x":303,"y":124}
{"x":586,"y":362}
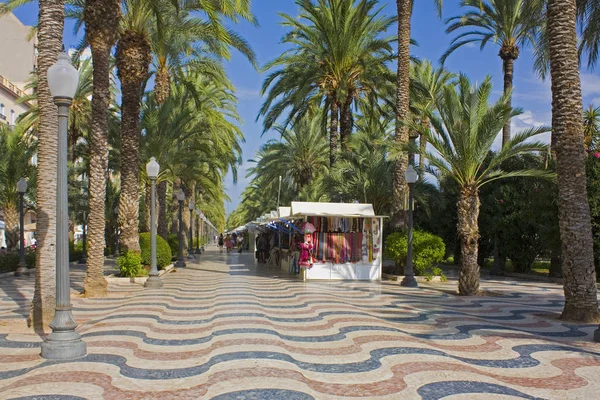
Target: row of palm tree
{"x":179,"y":42}
{"x":312,"y":74}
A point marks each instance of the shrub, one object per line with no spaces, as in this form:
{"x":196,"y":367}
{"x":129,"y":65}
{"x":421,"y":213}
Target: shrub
{"x":10,"y":261}
{"x":163,"y":250}
{"x":130,"y":265}
{"x":428,"y":250}
{"x":173,"y":240}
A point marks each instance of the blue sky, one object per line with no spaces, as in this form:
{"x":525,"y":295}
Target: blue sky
{"x":530,"y":93}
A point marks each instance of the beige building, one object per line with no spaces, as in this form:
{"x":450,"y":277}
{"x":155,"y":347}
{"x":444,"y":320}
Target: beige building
{"x":17,"y":62}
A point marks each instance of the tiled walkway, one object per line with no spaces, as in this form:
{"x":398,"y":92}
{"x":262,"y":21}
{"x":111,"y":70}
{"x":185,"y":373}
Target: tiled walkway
{"x":225,"y":329}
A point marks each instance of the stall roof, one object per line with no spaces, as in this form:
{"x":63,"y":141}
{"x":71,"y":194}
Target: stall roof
{"x":332,"y":209}
{"x":285,"y":212}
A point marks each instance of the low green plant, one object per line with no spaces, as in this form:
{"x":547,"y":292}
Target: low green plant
{"x":163,"y":250}
{"x":173,"y":240}
{"x":130,"y":265}
{"x":10,"y":261}
{"x":428,"y":250}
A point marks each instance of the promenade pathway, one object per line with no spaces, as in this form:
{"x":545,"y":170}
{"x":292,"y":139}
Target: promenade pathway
{"x":224,"y":328}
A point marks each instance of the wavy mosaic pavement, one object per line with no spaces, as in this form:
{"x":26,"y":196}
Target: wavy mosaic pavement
{"x":226,"y":329}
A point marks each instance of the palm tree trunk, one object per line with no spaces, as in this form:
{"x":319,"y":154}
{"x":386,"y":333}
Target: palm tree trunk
{"x":468,"y":233}
{"x":581,"y":302}
{"x":162,"y":84}
{"x":333,"y":132}
{"x":399,"y":216}
{"x":163,"y":229}
{"x":508,"y":54}
{"x":133,"y":62}
{"x":189,"y":196}
{"x":50,"y":29}
{"x":345,"y":123}
{"x":11,"y":232}
{"x":101,"y":21}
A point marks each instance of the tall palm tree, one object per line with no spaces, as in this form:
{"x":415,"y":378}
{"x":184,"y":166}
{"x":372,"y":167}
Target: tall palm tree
{"x":338,"y":54}
{"x":401,"y":135}
{"x":581,"y":302}
{"x":464,"y":130}
{"x":102,"y":19}
{"x":18,"y":150}
{"x":588,"y":12}
{"x":511,"y":24}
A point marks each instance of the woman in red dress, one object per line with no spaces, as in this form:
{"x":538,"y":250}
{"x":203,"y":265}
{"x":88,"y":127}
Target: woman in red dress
{"x":306,"y":252}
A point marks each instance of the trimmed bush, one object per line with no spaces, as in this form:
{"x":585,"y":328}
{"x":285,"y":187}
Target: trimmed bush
{"x":173,"y":240}
{"x":10,"y":261}
{"x":163,"y":250}
{"x":130,"y":265}
{"x":428,"y":250}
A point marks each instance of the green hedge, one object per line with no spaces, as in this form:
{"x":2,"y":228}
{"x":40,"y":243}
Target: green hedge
{"x":10,"y":261}
{"x":173,"y":240}
{"x":163,"y":250}
{"x":130,"y":265}
{"x":428,"y":250}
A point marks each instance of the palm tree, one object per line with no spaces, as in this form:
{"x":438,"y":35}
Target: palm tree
{"x":427,"y":86}
{"x":581,"y":302}
{"x":591,"y":127}
{"x":102,"y":19}
{"x":463,"y":133}
{"x":401,"y":135}
{"x":299,"y":156}
{"x":588,"y":13}
{"x":511,"y":24}
{"x":18,"y":150}
{"x":337,"y":56}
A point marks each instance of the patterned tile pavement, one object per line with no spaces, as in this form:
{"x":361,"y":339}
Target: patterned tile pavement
{"x":226,"y":329}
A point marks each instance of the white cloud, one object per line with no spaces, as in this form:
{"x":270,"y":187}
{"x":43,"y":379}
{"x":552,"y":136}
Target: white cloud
{"x":590,"y":84}
{"x":530,"y":120}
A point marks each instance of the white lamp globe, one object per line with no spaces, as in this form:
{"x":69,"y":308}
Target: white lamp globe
{"x":63,"y":78}
{"x":180,"y":195}
{"x":197,"y":211}
{"x":152,"y":168}
{"x":411,"y":174}
{"x":192,"y":205}
{"x":22,"y":186}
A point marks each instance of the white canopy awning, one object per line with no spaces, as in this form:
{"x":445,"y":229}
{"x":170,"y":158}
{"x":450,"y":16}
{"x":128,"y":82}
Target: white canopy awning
{"x":332,"y":209}
{"x":285,"y":212}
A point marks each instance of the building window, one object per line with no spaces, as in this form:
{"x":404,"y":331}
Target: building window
{"x":2,"y":110}
{"x":12,"y":117}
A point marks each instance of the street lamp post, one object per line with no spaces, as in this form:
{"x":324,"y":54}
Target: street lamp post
{"x":409,"y":280}
{"x":198,"y":231}
{"x":153,"y":281}
{"x":83,"y":259}
{"x":191,"y":255}
{"x":63,"y":343}
{"x":180,"y":198}
{"x":22,"y":266}
{"x":116,"y":212}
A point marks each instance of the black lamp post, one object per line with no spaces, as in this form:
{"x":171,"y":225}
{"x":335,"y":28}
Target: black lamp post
{"x":409,"y":280}
{"x":83,"y":259}
{"x":180,"y":198}
{"x":152,"y":170}
{"x":22,"y":266}
{"x":198,"y":231}
{"x":191,"y":255}
{"x":116,"y":212}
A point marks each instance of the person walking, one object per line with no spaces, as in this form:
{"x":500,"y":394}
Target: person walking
{"x":220,"y":243}
{"x":240,"y":243}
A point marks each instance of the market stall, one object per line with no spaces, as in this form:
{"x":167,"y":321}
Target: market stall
{"x":346,"y":239}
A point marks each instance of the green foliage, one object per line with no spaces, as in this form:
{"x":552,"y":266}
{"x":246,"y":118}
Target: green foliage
{"x":593,"y":187}
{"x":130,"y":265}
{"x":428,"y":250}
{"x":173,"y":241}
{"x":163,"y":251}
{"x":10,"y":261}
